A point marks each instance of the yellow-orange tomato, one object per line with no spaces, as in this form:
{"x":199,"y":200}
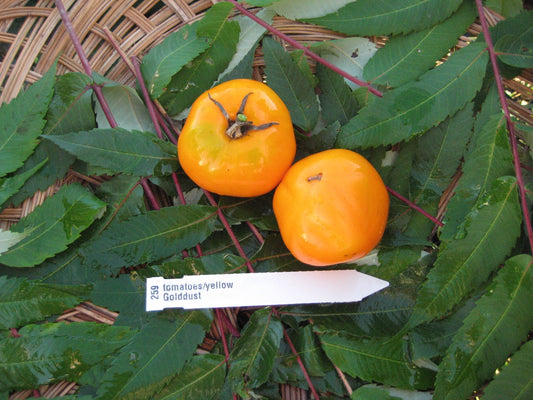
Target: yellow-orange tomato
{"x":238,"y":139}
{"x":331,"y":207}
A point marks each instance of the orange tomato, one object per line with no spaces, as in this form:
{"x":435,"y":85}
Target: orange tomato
{"x":331,"y":207}
{"x":238,"y":139}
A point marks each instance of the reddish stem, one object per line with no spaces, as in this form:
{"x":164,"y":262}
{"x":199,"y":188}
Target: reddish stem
{"x":308,"y":52}
{"x":415,"y":207}
{"x":85,"y":62}
{"x":149,"y":194}
{"x":510,"y":125}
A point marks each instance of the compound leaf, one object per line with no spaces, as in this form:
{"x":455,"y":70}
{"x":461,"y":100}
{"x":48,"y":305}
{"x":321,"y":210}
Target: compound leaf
{"x":154,"y":356}
{"x":47,"y":353}
{"x":252,"y":358}
{"x":151,"y":236}
{"x":52,"y":226}
{"x":23,"y":301}
{"x":467,"y":261}
{"x":405,"y":58}
{"x":385,"y":17}
{"x":417,"y":106}
{"x":22,"y":121}
{"x":497,"y":325}
{"x":120,"y":151}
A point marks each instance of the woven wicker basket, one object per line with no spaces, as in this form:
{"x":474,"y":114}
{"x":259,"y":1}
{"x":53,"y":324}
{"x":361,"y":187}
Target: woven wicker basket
{"x":33,"y":37}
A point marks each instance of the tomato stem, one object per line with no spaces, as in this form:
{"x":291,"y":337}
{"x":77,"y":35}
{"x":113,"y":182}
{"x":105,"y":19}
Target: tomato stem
{"x":239,"y":127}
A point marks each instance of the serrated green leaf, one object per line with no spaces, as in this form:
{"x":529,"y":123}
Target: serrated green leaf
{"x":11,"y":184}
{"x":9,"y":239}
{"x":154,"y":356}
{"x":516,"y":49}
{"x":336,"y":98}
{"x":201,"y":378}
{"x":392,"y":393}
{"x":417,"y":106}
{"x":51,"y":227}
{"x":120,"y":151}
{"x":151,"y":237}
{"x":47,"y":353}
{"x":171,"y":55}
{"x":498,"y":324}
{"x":298,"y":9}
{"x":251,"y":32}
{"x":405,"y":58}
{"x":286,"y":79}
{"x":254,"y":353}
{"x":514,"y":380}
{"x":23,"y":301}
{"x":349,"y":54}
{"x":127,"y":108}
{"x":70,"y":110}
{"x":372,"y":393}
{"x":383,"y":361}
{"x":308,"y":348}
{"x":195,"y":78}
{"x":385,"y":17}
{"x":506,"y":8}
{"x":22,"y":121}
{"x":467,"y":261}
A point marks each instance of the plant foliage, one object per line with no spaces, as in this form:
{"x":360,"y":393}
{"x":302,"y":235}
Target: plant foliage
{"x":456,"y":318}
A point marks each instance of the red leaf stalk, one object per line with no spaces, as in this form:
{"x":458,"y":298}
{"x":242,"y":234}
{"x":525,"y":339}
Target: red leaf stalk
{"x":510,"y":125}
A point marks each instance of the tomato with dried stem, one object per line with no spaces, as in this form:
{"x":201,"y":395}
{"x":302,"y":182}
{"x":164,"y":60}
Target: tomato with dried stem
{"x":238,"y":139}
{"x":331,"y":208}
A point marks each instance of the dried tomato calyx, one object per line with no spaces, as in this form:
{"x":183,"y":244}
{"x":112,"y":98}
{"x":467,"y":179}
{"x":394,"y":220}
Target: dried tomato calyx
{"x":239,"y":126}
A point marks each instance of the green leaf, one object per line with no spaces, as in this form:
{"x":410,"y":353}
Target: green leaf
{"x":52,"y":226}
{"x":506,"y":8}
{"x":254,"y":353}
{"x":514,"y":381}
{"x":120,"y":151}
{"x":286,"y":79}
{"x":467,"y":261}
{"x":23,"y":301}
{"x":11,"y":184}
{"x":372,"y":393}
{"x":496,"y":327}
{"x":170,"y":56}
{"x":198,"y":76}
{"x":70,"y":110}
{"x":9,"y":239}
{"x":127,"y":108}
{"x":417,"y":106}
{"x":56,"y":351}
{"x":201,"y":378}
{"x":151,"y":237}
{"x":154,"y":356}
{"x":336,"y":99}
{"x":385,"y":17}
{"x":383,"y":361}
{"x":516,"y":49}
{"x":349,"y":54}
{"x":405,"y":58}
{"x":298,"y":9}
{"x":22,"y":121}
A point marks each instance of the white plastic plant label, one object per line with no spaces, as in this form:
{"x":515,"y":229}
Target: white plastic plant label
{"x":260,"y":289}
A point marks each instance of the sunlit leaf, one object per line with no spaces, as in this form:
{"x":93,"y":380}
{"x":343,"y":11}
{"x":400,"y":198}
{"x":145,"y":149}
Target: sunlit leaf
{"x":8,"y":239}
{"x":405,"y":58}
{"x":22,"y":121}
{"x":496,"y":327}
{"x":298,"y":9}
{"x":385,"y":17}
{"x":48,"y":353}
{"x":52,"y":226}
{"x":417,"y":106}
